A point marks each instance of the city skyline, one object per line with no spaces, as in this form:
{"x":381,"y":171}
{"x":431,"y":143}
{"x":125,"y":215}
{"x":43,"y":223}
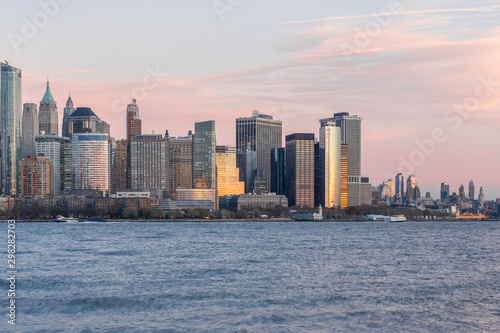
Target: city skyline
{"x":399,"y":106}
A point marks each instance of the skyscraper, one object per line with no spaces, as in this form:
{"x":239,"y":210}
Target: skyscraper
{"x":181,"y":162}
{"x":48,"y":116}
{"x":411,"y":184}
{"x":400,"y":185}
{"x":90,"y":160}
{"x":445,"y":192}
{"x":68,"y":111}
{"x":36,"y":177}
{"x":30,"y":129}
{"x":330,"y":165}
{"x":119,"y":167}
{"x":343,"y":176}
{"x":392,"y":188}
{"x":150,"y":162}
{"x":10,"y":119}
{"x":300,"y":169}
{"x":82,"y":120}
{"x":461,"y":193}
{"x":481,"y":197}
{"x":260,"y":133}
{"x":471,"y":190}
{"x":204,"y":168}
{"x":278,"y":171}
{"x":53,"y":146}
{"x":134,"y":128}
{"x":228,"y":175}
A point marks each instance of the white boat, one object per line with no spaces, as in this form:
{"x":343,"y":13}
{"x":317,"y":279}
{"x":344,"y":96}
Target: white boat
{"x":382,"y":218}
{"x":61,"y":218}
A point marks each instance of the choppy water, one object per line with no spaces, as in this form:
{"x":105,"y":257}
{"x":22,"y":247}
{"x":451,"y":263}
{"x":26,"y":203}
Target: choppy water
{"x":257,"y":277}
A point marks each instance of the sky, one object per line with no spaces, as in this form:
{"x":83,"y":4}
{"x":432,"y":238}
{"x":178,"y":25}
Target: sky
{"x":424,"y":75}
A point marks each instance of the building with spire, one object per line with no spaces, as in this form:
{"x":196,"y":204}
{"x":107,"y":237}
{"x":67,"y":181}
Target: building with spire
{"x":68,"y":111}
{"x":481,"y":197}
{"x":48,"y":116}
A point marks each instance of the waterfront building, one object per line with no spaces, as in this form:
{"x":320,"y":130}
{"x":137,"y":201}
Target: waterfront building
{"x":265,"y":200}
{"x":181,"y":162}
{"x":53,"y":146}
{"x":10,"y":127}
{"x":134,"y":128}
{"x":259,"y":133}
{"x":471,"y":190}
{"x":330,"y":165}
{"x":30,"y":129}
{"x":392,"y":186}
{"x":149,"y":168}
{"x":48,"y":117}
{"x":343,"y":176}
{"x":36,"y":177}
{"x":204,"y":167}
{"x":210,"y":194}
{"x":228,"y":175}
{"x":68,"y":111}
{"x":278,"y":171}
{"x":90,"y":161}
{"x":300,"y":169}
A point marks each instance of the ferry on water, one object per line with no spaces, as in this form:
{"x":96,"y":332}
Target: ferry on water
{"x":382,"y":218}
{"x":61,"y":219}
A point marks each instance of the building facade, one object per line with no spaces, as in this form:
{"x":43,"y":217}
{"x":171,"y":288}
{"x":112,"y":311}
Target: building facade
{"x":278,"y":171}
{"x":30,"y":129}
{"x":82,"y":120}
{"x":10,"y":127}
{"x":36,"y":177}
{"x":204,"y":168}
{"x":149,"y":168}
{"x":181,"y":162}
{"x":119,"y":166}
{"x":90,"y":161}
{"x":48,"y":116}
{"x":68,"y":111}
{"x":259,"y":133}
{"x":330,"y":165}
{"x":300,"y":169}
{"x":228,"y":175}
{"x":53,"y":147}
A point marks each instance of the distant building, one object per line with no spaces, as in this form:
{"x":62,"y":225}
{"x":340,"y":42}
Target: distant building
{"x":411,"y":184}
{"x":330,"y":165}
{"x":300,"y":169}
{"x":10,"y":127}
{"x":471,"y":190}
{"x":68,"y":111}
{"x":48,"y":116}
{"x":150,"y":161}
{"x":392,"y":187}
{"x":228,"y":175}
{"x":30,"y":129}
{"x":343,"y":176}
{"x":36,"y":177}
{"x":82,"y":120}
{"x":204,"y":168}
{"x":90,"y":161}
{"x":481,"y":197}
{"x":197,"y":194}
{"x":119,"y":166}
{"x":181,"y":162}
{"x":278,"y":171}
{"x":262,"y":200}
{"x":53,"y":146}
{"x":259,"y":133}
{"x":400,"y":185}
{"x":134,"y":128}
{"x":445,"y":192}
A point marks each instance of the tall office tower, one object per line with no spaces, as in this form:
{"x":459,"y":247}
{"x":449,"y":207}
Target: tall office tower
{"x":278,"y":171}
{"x":150,"y":161}
{"x":30,"y":129}
{"x":471,"y":190}
{"x":36,"y":177}
{"x":330,"y":165}
{"x":260,"y":133}
{"x":228,"y":175}
{"x":400,"y":185}
{"x":358,"y":188}
{"x":119,"y":167}
{"x":10,"y":127}
{"x":461,"y":193}
{"x":445,"y":191}
{"x":103,"y":127}
{"x":181,"y":163}
{"x":300,"y":169}
{"x":481,"y":197}
{"x":411,"y":183}
{"x":247,"y":163}
{"x":48,"y":116}
{"x":82,"y":120}
{"x":392,"y":187}
{"x":134,"y":128}
{"x":68,"y":111}
{"x":417,"y":194}
{"x":343,"y":176}
{"x":90,"y":161}
{"x":53,"y":146}
{"x":204,"y":169}
{"x":66,"y":167}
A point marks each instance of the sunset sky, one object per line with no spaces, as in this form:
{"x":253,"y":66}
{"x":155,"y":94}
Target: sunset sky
{"x":430,"y":71}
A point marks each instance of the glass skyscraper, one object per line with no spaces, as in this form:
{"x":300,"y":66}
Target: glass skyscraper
{"x":10,"y":118}
{"x":52,"y":146}
{"x":90,"y":160}
{"x":204,"y":167}
{"x":30,"y":129}
{"x":330,"y":165}
{"x":278,"y":171}
{"x":300,"y":169}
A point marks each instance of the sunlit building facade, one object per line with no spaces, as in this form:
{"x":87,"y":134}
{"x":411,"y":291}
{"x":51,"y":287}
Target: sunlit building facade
{"x":300,"y":169}
{"x":330,"y":165}
{"x":36,"y":175}
{"x":90,"y":160}
{"x":343,"y":176}
{"x":228,"y":175}
{"x":204,"y":168}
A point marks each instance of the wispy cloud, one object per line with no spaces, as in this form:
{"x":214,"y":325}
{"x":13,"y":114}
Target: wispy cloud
{"x":491,"y":8}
